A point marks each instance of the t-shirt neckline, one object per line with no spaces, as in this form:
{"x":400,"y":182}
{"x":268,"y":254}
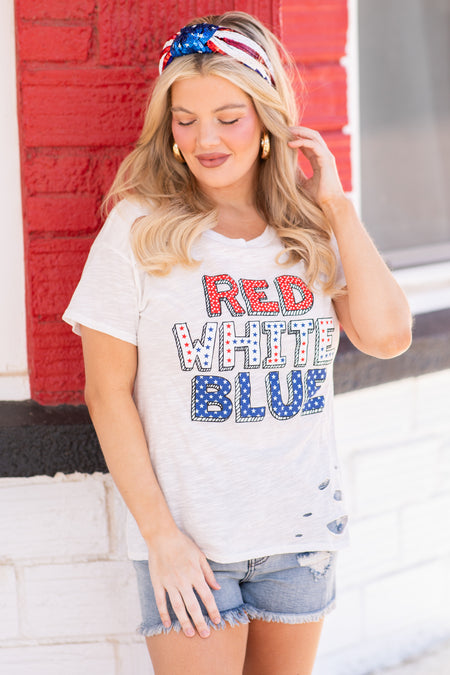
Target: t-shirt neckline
{"x":257,"y":242}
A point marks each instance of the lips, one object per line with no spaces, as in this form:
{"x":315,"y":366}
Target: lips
{"x":212,"y":160}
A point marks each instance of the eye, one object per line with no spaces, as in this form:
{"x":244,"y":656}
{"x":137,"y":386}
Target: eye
{"x":230,"y":122}
{"x":185,"y":124}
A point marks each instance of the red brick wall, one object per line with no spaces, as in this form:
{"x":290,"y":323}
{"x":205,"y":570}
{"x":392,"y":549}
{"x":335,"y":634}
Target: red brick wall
{"x":84,"y":69}
{"x":315,"y":33}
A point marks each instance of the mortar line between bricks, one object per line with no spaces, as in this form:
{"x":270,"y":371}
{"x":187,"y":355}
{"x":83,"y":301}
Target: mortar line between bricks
{"x":14,"y":373}
{"x":21,"y":599}
{"x":63,"y":641}
{"x":77,"y":559}
{"x":111,"y":516}
{"x":95,"y":36}
{"x":49,"y":22}
{"x":117,"y":664}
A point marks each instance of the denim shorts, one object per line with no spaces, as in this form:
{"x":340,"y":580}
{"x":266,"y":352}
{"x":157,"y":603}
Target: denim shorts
{"x":287,"y":588}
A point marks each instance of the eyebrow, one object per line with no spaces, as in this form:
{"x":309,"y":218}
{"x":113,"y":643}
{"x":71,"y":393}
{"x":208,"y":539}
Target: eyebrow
{"x":227,"y":106}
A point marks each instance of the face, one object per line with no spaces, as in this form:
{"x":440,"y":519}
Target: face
{"x":218,"y":132}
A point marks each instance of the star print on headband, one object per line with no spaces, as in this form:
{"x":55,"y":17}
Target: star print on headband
{"x":206,"y":38}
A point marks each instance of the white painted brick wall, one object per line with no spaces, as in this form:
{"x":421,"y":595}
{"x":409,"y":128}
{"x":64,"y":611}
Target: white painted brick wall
{"x":375,"y":550}
{"x":53,"y":519}
{"x":9,"y":615}
{"x":421,"y":541}
{"x":67,"y":659}
{"x":82,"y":599}
{"x":68,"y":601}
{"x":394,"y":441}
{"x":388,"y":477}
{"x":408,"y":598}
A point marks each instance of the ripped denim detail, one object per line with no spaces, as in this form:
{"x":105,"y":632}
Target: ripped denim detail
{"x":233,"y":617}
{"x":279,"y":617}
{"x":318,"y":562}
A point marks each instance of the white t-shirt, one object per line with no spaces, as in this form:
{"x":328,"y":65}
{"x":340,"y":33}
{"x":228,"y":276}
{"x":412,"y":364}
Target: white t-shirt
{"x":234,"y":388}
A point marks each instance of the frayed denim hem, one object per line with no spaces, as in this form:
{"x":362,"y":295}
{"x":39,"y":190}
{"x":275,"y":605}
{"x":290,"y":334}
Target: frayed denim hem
{"x":279,"y":617}
{"x":233,"y":617}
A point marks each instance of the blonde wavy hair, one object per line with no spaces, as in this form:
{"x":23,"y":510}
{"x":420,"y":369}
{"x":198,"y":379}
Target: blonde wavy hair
{"x":180,"y":211}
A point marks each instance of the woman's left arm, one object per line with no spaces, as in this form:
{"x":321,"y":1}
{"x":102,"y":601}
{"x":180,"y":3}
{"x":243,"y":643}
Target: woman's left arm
{"x":375,"y":312}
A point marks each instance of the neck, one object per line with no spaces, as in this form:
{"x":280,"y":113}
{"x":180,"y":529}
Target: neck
{"x":239,"y":196}
{"x":234,"y":197}
{"x":239,"y":218}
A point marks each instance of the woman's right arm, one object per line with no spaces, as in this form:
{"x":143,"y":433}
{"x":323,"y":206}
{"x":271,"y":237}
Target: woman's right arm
{"x":176,"y":564}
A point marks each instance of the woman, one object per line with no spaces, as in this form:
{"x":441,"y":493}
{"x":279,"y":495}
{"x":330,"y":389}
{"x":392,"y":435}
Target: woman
{"x":208,"y":311}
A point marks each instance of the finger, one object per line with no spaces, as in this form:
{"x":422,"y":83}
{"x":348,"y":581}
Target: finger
{"x":161,"y":603}
{"x":306,"y":143}
{"x":315,"y":155}
{"x":317,"y":161}
{"x":209,"y":601}
{"x":315,"y":141}
{"x":307,"y":132}
{"x":312,"y":151}
{"x":193,"y":607}
{"x":179,"y":608}
{"x":209,"y":574}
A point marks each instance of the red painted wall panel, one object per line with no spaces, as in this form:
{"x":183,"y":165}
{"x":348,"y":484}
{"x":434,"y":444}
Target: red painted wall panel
{"x":84,"y":70}
{"x":315,"y":31}
{"x":55,"y":9}
{"x":326,"y":107}
{"x":62,"y":214}
{"x":55,"y":43}
{"x":315,"y":34}
{"x":95,"y":114}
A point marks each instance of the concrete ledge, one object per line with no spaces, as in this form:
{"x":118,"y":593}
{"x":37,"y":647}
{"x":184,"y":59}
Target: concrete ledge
{"x":428,"y":353}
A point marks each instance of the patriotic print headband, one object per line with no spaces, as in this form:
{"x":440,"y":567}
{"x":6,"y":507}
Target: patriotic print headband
{"x":205,"y":38}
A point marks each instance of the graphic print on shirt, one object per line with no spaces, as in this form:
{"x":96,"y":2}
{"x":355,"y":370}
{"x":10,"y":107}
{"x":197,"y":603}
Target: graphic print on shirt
{"x":250,"y":343}
{"x":201,"y":351}
{"x":309,"y":344}
{"x":301,"y":329}
{"x":274,"y":330}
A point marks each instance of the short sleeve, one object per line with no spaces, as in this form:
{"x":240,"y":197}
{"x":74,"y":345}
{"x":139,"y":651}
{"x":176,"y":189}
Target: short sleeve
{"x":107,"y":296}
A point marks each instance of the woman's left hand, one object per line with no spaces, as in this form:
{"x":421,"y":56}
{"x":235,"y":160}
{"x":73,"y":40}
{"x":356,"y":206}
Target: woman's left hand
{"x":324,"y":184}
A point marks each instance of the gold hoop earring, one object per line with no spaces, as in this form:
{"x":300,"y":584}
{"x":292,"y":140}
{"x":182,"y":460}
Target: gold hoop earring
{"x":177,"y":154}
{"x":265,"y":145}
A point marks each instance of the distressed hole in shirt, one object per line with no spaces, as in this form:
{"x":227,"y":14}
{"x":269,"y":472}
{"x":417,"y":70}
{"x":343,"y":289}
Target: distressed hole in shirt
{"x":318,"y":562}
{"x":307,"y":515}
{"x":299,"y":535}
{"x":338,"y":526}
{"x":325,"y":484}
{"x":338,"y":495}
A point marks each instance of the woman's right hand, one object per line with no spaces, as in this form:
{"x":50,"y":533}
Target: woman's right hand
{"x":178,"y":566}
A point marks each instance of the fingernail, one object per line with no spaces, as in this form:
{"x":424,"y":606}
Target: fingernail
{"x":167,"y":624}
{"x":190,"y":632}
{"x":217,"y":619}
{"x":204,"y":633}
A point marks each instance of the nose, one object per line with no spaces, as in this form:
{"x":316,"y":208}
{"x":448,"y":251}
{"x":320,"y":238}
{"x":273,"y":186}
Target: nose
{"x":208,"y":136}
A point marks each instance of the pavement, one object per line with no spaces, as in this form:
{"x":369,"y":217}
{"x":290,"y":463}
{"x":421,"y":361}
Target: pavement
{"x":435,"y":662}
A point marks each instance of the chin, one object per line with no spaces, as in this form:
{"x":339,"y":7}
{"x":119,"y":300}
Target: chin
{"x":217,"y":184}
{"x":220,"y":182}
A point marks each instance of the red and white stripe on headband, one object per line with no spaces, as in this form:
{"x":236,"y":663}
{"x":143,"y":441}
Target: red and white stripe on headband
{"x":223,"y":41}
{"x":245,"y":50}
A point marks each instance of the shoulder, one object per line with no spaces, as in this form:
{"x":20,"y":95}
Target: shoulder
{"x":115,"y":232}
